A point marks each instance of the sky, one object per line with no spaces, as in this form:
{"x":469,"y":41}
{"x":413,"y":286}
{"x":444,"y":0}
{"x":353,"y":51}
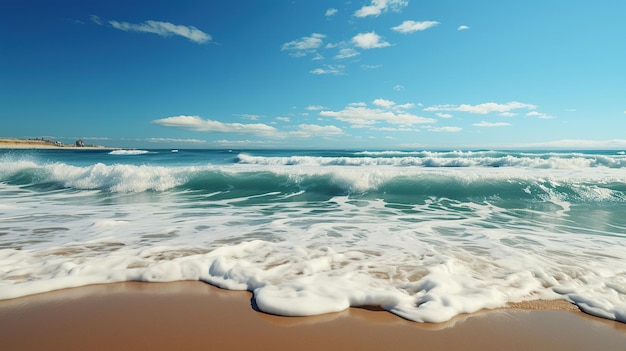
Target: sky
{"x":318,"y":74}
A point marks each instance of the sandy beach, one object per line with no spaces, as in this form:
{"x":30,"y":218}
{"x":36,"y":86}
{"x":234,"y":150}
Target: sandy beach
{"x":197,"y":316}
{"x":8,"y":143}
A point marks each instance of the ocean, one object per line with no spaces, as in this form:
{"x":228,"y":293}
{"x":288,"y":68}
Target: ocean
{"x":426,"y":235}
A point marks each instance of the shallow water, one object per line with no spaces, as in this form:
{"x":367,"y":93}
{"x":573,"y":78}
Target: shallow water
{"x":425,"y":235}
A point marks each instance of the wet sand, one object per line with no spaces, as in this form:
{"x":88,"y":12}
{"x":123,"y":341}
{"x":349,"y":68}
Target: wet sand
{"x":197,"y":316}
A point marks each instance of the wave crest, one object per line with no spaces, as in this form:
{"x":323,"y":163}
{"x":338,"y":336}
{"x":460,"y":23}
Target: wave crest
{"x":491,"y":159}
{"x":270,"y":175}
{"x":128,"y":152}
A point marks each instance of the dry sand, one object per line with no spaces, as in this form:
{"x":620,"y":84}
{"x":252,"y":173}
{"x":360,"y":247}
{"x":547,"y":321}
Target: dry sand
{"x":197,"y":316}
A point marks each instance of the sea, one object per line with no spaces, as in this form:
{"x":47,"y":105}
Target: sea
{"x":426,"y":235}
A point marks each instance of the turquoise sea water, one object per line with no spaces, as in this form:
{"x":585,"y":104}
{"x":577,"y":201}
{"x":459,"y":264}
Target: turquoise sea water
{"x":425,"y":235}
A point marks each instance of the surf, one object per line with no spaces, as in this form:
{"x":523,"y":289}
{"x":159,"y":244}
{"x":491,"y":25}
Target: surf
{"x":408,"y":231}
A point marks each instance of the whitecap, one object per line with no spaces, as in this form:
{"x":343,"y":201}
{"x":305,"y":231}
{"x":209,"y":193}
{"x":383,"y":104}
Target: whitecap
{"x":128,"y":152}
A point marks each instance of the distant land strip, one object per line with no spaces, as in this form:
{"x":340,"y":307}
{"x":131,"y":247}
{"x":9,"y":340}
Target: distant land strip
{"x":9,"y":143}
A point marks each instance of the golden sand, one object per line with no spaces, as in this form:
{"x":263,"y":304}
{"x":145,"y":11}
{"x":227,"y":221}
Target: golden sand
{"x":197,"y":316}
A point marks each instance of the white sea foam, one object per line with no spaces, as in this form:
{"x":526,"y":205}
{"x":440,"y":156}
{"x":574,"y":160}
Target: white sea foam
{"x":427,"y":267}
{"x":129,"y":152}
{"x":560,"y":236}
{"x":590,"y":184}
{"x":117,"y":178}
{"x":431,"y":159}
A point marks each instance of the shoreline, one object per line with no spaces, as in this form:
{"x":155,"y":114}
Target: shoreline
{"x":193,"y":315}
{"x":9,"y":143}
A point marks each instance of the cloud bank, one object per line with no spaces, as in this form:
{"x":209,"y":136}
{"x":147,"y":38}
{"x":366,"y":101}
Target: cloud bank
{"x":359,"y":115}
{"x":483,"y":108}
{"x":314,"y":130}
{"x":198,"y":124}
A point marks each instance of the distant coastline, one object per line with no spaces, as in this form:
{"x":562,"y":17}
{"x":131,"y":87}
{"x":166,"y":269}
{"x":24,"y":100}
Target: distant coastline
{"x":10,"y":143}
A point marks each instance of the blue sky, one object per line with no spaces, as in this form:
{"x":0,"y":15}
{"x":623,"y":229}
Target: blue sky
{"x":372,"y":74}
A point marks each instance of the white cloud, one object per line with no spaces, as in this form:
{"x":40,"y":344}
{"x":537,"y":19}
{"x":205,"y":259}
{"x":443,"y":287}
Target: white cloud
{"x":317,"y":57}
{"x":95,"y":19}
{"x":314,"y":130}
{"x":406,"y":106}
{"x":297,"y":54}
{"x":384,"y":103}
{"x":331,"y":12}
{"x":377,"y":7}
{"x":315,"y":107}
{"x":301,"y":46}
{"x":463,"y":27}
{"x":395,"y":129}
{"x":489,"y":125}
{"x":347,"y":53}
{"x":369,"y":40}
{"x":164,"y":29}
{"x":446,"y":129}
{"x":483,"y":108}
{"x":249,"y":116}
{"x":368,"y":67}
{"x":413,"y":26}
{"x":358,"y":115}
{"x":507,"y":114}
{"x":625,"y":112}
{"x":443,"y":115}
{"x":398,"y":87}
{"x":388,"y":104}
{"x":538,"y":115}
{"x":329,"y":69}
{"x":198,"y":124}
